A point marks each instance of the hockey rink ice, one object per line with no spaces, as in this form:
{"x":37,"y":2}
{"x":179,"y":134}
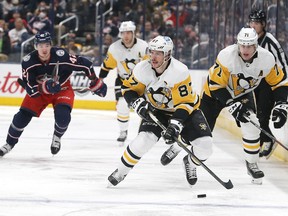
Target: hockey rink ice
{"x":74,"y":182}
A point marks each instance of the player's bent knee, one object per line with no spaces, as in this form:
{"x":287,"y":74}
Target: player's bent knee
{"x":202,"y":147}
{"x":143,"y":143}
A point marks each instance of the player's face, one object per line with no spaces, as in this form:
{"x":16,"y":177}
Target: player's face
{"x":44,"y":50}
{"x":156,"y":58}
{"x":258,"y":26}
{"x":247,"y":52}
{"x":127,"y":38}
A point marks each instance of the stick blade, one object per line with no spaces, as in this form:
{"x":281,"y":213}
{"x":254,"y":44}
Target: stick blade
{"x":228,"y":185}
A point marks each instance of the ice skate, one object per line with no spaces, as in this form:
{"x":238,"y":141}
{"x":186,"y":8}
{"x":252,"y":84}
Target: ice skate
{"x":256,"y":174}
{"x":190,"y":170}
{"x":5,"y":149}
{"x":170,"y":154}
{"x":267,"y":149}
{"x":56,"y":145}
{"x":115,"y":178}
{"x":122,"y":137}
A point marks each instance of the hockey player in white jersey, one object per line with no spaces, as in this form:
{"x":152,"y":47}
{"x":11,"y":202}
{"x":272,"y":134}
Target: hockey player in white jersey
{"x":238,"y":70}
{"x":123,"y":55}
{"x":162,"y":85}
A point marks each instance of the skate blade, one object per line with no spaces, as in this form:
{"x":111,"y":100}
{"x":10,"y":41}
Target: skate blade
{"x":257,"y":181}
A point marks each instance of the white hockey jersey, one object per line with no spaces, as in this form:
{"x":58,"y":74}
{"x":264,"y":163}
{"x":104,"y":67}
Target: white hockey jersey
{"x":169,"y":91}
{"x":239,"y":77}
{"x":125,"y":59}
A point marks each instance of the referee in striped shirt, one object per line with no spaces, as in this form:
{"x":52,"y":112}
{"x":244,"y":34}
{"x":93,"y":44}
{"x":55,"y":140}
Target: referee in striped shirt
{"x":263,"y":93}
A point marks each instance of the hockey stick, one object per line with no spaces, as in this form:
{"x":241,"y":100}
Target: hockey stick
{"x":55,"y":72}
{"x":268,"y":135}
{"x":227,"y":185}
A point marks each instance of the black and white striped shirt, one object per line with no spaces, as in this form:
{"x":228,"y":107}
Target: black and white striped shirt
{"x":269,"y":42}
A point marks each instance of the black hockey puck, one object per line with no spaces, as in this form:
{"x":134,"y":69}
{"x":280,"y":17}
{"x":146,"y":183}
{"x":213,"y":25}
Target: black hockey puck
{"x":201,"y":195}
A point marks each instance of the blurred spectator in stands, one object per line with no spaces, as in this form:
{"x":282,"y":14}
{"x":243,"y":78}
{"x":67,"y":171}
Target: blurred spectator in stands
{"x":59,"y":16}
{"x":189,"y":38}
{"x":7,"y":6}
{"x":35,"y":7}
{"x":183,"y":18}
{"x":108,"y":40}
{"x":72,"y":47}
{"x":128,"y":13}
{"x":89,"y":44}
{"x":169,"y":29}
{"x":15,"y":15}
{"x":158,"y":23}
{"x":18,"y":35}
{"x":40,"y":21}
{"x":148,"y":31}
{"x":90,"y":50}
{"x":111,"y":27}
{"x":4,"y":45}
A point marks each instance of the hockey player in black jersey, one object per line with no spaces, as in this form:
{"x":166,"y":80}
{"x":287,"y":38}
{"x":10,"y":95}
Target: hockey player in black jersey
{"x":46,"y":74}
{"x":263,"y":93}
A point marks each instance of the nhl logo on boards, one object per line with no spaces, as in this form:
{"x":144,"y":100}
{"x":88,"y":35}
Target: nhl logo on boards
{"x":79,"y":79}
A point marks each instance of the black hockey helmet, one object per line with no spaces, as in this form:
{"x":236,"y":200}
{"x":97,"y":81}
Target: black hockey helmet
{"x":257,"y":16}
{"x":42,"y":37}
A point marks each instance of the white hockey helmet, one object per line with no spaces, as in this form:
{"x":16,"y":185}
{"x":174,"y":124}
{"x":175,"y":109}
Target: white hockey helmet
{"x":247,"y":36}
{"x":127,"y":26}
{"x":164,"y":44}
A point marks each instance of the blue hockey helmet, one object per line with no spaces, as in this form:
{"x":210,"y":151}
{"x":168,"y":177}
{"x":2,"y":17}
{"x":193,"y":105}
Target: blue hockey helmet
{"x":42,"y":37}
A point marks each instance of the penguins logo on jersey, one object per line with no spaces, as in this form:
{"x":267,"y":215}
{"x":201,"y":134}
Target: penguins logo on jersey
{"x":242,"y":83}
{"x":129,"y":65}
{"x":160,"y":97}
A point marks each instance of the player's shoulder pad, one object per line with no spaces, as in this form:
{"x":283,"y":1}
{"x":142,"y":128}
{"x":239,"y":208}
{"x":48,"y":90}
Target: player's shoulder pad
{"x":226,"y":55}
{"x":115,"y":46}
{"x":266,"y":57}
{"x":178,"y":71}
{"x":29,"y":59}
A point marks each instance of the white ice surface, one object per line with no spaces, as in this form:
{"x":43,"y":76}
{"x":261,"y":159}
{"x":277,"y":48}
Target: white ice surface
{"x":74,"y":182}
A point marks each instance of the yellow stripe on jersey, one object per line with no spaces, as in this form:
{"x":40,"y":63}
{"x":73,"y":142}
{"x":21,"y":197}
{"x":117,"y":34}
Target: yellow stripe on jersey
{"x":275,"y":76}
{"x":184,"y":97}
{"x":109,"y":62}
{"x":218,"y":78}
{"x":132,"y":84}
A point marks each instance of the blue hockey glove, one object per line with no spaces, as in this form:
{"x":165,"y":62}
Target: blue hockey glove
{"x":98,"y":87}
{"x":172,"y":132}
{"x":49,"y":87}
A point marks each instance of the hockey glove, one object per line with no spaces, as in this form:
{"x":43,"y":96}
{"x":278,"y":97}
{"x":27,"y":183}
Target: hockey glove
{"x":49,"y":87}
{"x":240,"y":111}
{"x":279,"y":115}
{"x":172,"y":132}
{"x":98,"y":87}
{"x":142,"y":107}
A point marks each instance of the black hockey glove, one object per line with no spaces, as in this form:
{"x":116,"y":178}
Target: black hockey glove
{"x":98,"y":87}
{"x":279,"y":115}
{"x":240,"y":111}
{"x":172,"y":132}
{"x":142,"y":107}
{"x":49,"y":87}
